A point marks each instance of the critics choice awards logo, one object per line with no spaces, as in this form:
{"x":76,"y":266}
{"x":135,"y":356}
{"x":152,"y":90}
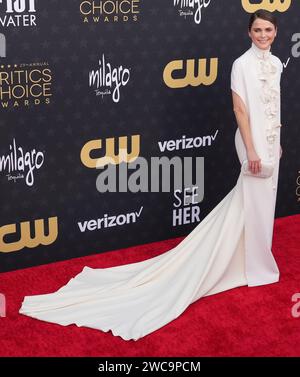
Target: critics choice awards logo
{"x":17,"y":13}
{"x":107,"y":80}
{"x":25,"y":85}
{"x":110,"y":10}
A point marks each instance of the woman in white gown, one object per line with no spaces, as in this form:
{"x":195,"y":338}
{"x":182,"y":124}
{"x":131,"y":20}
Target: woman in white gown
{"x":231,"y":247}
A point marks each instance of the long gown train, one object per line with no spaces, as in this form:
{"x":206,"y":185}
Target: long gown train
{"x":136,"y":299}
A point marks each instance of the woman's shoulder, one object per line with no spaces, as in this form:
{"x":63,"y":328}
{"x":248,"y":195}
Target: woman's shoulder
{"x":277,"y":62}
{"x":238,"y":65}
{"x":240,"y":61}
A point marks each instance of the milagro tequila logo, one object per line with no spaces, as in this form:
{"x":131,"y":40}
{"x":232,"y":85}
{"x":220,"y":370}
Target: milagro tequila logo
{"x":18,"y":164}
{"x":17,"y":13}
{"x":107,"y":80}
{"x":191,"y":8}
{"x":25,"y":84}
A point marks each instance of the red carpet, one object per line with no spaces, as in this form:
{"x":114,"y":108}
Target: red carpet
{"x":241,"y":322}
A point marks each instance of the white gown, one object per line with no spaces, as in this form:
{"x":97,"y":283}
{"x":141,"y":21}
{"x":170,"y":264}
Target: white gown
{"x":231,"y":247}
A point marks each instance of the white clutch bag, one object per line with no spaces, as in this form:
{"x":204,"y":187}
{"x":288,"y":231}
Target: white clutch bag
{"x":267,"y":169}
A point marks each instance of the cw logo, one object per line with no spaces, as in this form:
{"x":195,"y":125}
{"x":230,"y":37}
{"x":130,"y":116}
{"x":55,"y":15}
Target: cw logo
{"x":110,"y":156}
{"x":270,"y":5}
{"x":2,"y":46}
{"x":25,"y":239}
{"x":2,"y":305}
{"x":189,"y":77}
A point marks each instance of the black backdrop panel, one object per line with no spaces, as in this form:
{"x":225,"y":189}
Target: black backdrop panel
{"x":153,"y":73}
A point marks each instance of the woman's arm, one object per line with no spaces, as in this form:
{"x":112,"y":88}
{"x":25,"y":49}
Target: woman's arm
{"x":242,"y":119}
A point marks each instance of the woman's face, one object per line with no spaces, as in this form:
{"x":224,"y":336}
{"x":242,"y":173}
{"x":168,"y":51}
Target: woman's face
{"x":262,"y":33}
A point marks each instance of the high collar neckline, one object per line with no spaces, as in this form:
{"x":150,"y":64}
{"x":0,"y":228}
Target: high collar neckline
{"x":260,"y":53}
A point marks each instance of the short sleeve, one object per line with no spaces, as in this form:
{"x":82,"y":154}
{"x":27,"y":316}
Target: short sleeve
{"x":238,"y":81}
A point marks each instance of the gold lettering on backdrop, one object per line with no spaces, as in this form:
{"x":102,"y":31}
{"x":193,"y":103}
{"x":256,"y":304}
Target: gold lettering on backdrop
{"x":110,"y":156}
{"x":109,"y":10}
{"x":270,"y":5}
{"x":190,"y":78}
{"x":26,"y":240}
{"x":19,"y":85}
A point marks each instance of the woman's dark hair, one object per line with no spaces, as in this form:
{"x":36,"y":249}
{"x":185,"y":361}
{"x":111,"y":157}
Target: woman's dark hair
{"x":264,"y":15}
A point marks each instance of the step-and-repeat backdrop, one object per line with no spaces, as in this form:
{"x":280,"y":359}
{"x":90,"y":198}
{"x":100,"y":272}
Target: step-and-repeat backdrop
{"x":116,"y":120}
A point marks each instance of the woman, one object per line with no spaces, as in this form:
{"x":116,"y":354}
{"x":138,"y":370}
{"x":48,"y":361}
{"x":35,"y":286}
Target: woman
{"x":231,"y":247}
{"x":255,"y":84}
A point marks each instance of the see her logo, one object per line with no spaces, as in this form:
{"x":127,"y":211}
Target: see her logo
{"x":2,"y":305}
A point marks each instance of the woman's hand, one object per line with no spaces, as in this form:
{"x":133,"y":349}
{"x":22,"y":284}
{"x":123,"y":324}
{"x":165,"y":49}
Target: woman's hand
{"x":280,"y":154}
{"x":253,"y":161}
